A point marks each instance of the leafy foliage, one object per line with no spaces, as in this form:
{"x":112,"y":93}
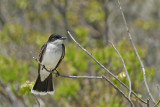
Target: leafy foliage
{"x":25,"y":88}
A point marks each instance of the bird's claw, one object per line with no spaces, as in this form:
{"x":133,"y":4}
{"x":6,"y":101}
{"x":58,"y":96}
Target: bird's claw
{"x":43,"y":66}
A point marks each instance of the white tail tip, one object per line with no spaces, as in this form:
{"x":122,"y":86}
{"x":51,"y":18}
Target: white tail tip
{"x":42,"y":93}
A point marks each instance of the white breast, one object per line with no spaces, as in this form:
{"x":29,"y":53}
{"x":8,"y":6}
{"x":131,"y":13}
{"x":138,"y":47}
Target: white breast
{"x":50,"y":59}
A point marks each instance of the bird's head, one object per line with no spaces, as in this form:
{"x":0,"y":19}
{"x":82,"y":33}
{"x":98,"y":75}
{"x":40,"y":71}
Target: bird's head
{"x":56,"y":39}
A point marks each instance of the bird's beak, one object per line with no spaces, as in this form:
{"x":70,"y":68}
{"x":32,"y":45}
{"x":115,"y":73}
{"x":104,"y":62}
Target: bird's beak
{"x":63,"y":38}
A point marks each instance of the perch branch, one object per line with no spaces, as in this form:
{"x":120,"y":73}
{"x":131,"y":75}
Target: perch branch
{"x":142,"y":66}
{"x":105,"y":68}
{"x":66,"y":76}
{"x":85,"y":77}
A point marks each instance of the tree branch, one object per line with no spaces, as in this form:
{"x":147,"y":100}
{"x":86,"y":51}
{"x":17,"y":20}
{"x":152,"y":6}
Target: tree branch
{"x":129,"y":80}
{"x":66,"y":76}
{"x":105,"y":68}
{"x":142,"y":66}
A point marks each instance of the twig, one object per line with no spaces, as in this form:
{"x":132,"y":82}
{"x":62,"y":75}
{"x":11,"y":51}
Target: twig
{"x":36,"y":100}
{"x":156,"y":104}
{"x":118,"y":90}
{"x":104,"y":67}
{"x":129,"y":80}
{"x":39,"y":101}
{"x":142,"y":66}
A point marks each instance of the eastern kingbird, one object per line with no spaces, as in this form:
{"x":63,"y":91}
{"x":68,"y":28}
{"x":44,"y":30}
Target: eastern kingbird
{"x":51,"y":55}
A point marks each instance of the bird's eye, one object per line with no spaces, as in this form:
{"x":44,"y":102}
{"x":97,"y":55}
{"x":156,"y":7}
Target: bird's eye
{"x":57,"y":37}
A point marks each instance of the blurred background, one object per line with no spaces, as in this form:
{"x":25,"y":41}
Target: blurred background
{"x":26,"y":24}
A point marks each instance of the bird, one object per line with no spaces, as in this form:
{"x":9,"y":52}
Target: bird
{"x":51,"y":54}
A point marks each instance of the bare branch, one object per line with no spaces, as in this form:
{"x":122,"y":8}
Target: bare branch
{"x":142,"y":66}
{"x":105,"y":68}
{"x":82,"y":77}
{"x":129,"y":80}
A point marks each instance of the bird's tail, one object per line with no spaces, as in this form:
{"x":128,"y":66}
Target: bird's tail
{"x":43,"y":87}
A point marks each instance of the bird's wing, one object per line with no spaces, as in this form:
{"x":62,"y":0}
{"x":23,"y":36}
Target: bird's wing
{"x":63,"y":54}
{"x":43,"y":49}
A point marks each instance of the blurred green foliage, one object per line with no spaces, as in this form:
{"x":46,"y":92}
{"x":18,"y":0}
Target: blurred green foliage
{"x":66,"y":89}
{"x":93,"y":12}
{"x":11,"y":32}
{"x":76,"y":58}
{"x":147,"y":24}
{"x":82,"y":33}
{"x":12,"y":69}
{"x":111,"y":103}
{"x":23,"y":4}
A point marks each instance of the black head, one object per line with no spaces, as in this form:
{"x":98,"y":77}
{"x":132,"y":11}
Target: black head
{"x":55,"y":36}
